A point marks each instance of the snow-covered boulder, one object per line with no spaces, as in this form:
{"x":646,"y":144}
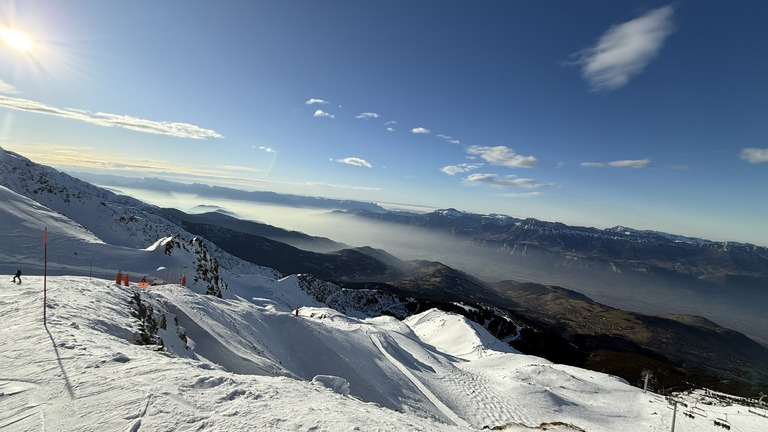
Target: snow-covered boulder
{"x":337,"y":384}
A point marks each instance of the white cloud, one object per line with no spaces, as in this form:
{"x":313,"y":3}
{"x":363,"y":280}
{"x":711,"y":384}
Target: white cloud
{"x":181,"y":130}
{"x":503,"y":156}
{"x":389,"y":129}
{"x":460,"y":168}
{"x":754,"y":155}
{"x":321,"y":113}
{"x":625,"y":49}
{"x":316,"y":101}
{"x":449,"y":139}
{"x":267,"y":149}
{"x":505,"y":182}
{"x":639,"y":163}
{"x":354,"y":161}
{"x":391,"y":122}
{"x":420,"y":130}
{"x":7,"y":88}
{"x":367,"y":115}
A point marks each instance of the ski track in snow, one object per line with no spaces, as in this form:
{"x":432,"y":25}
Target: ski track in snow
{"x":441,"y":379}
{"x":480,"y":404}
{"x":375,"y":337}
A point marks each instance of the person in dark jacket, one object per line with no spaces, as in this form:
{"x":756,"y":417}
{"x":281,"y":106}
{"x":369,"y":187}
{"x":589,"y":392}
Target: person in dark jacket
{"x":17,"y":276}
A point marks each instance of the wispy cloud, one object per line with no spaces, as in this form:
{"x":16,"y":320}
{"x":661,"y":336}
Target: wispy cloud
{"x":78,"y":158}
{"x":420,"y":130}
{"x":625,"y":50}
{"x":180,"y":130}
{"x":520,"y":194}
{"x":754,"y":155}
{"x":234,"y":169}
{"x":349,"y":187}
{"x":266,"y":149}
{"x":316,"y":101}
{"x":367,"y":115}
{"x":7,"y":88}
{"x":449,"y":139}
{"x":460,"y":168}
{"x":321,"y":113}
{"x":638,"y":163}
{"x":505,"y":182}
{"x":354,"y":161}
{"x":503,"y":156}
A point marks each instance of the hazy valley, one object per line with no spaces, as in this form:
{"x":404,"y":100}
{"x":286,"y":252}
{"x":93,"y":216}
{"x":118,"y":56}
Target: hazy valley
{"x":647,"y":272}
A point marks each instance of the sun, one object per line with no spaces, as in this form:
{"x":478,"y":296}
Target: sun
{"x":16,"y":39}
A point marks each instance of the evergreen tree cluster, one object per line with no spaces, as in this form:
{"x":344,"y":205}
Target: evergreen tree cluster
{"x":148,"y":324}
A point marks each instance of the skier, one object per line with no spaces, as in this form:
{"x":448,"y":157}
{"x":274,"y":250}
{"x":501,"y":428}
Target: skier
{"x":17,"y":276}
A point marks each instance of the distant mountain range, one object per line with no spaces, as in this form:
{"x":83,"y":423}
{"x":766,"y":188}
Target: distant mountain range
{"x":217,"y":218}
{"x":160,"y":185}
{"x":641,"y":270}
{"x":539,"y":319}
{"x":624,"y":249}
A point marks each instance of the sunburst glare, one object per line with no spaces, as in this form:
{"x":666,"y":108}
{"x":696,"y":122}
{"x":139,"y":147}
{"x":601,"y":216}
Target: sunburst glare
{"x":16,"y":39}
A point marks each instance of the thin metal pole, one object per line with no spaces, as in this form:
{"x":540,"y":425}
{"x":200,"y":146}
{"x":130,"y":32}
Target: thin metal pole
{"x":647,"y":376}
{"x":45,"y":276}
{"x":674,"y":417}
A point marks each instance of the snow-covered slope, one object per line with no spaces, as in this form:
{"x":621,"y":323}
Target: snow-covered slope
{"x":116,"y":219}
{"x":247,"y":362}
{"x":83,"y":372}
{"x":84,"y":221}
{"x":266,"y":355}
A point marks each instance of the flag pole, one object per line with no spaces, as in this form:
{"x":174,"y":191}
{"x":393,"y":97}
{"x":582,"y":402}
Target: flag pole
{"x":45,"y":275}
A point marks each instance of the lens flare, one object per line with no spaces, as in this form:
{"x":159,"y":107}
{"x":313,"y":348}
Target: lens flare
{"x":16,"y":39}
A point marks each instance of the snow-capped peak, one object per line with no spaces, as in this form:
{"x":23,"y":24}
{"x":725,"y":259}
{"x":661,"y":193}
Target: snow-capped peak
{"x":450,"y":213}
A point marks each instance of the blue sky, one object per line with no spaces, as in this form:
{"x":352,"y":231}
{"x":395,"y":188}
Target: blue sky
{"x":648,"y":114}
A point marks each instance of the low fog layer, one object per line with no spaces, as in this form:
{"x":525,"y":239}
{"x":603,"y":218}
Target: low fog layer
{"x":734,"y":308}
